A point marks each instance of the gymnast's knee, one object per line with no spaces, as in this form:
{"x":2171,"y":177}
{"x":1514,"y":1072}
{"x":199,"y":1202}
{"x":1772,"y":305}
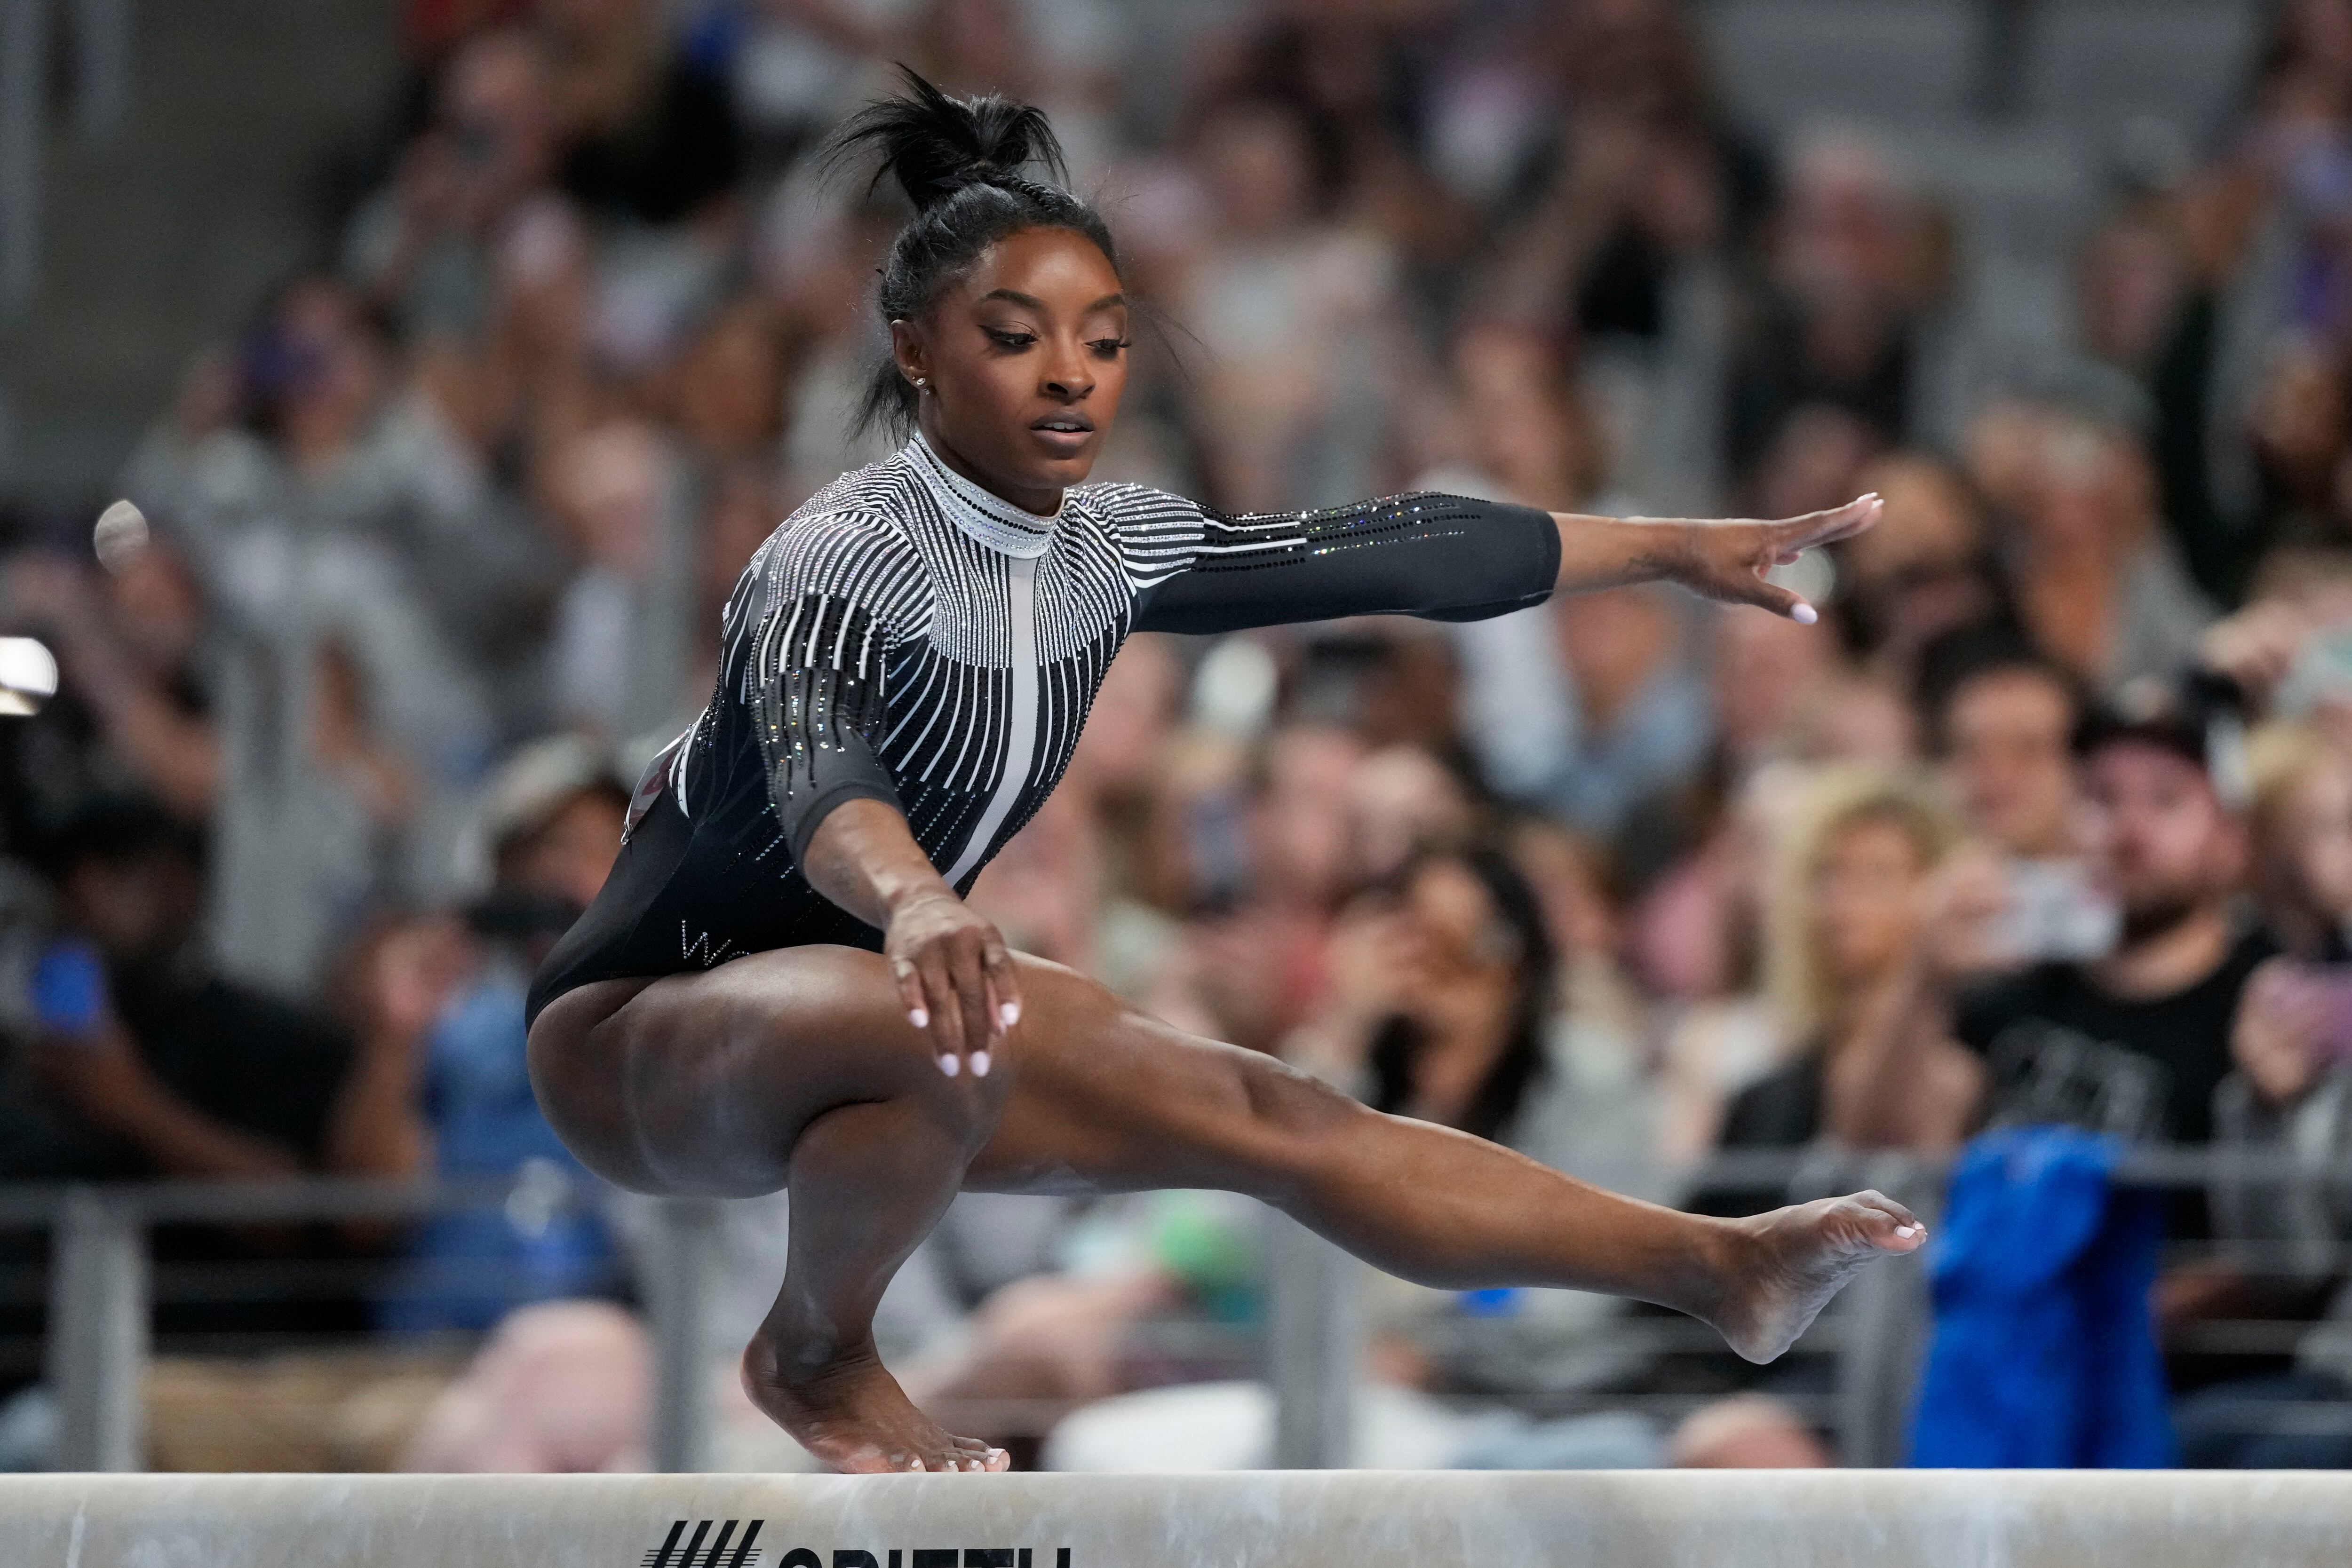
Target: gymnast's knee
{"x":817,"y":1001}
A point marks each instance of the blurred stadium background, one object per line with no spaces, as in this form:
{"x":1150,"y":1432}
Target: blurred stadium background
{"x":455,"y":354}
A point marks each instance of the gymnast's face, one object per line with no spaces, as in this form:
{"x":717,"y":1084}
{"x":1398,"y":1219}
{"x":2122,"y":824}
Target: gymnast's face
{"x":1025,"y":358}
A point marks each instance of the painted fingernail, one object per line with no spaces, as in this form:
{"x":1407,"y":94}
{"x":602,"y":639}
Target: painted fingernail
{"x":1011,"y":1013}
{"x":921,"y":1017}
{"x":1907,"y":1230}
{"x":1804,"y":615}
{"x":980,"y":1064}
{"x":951,"y":1064}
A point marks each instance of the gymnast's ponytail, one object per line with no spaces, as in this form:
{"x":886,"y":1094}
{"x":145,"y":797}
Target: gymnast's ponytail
{"x":959,"y":162}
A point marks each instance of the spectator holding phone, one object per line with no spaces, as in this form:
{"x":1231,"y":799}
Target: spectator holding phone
{"x":157,"y":1066}
{"x":2291,"y":1093}
{"x":2302,"y":826}
{"x":2134,"y":1042}
{"x":2003,"y":719}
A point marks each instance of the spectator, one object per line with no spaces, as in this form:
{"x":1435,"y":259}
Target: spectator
{"x":2290,"y":1097}
{"x":2096,"y":581}
{"x":163,"y":1068}
{"x":1923,"y":572}
{"x":2006,"y":720}
{"x":1866,"y":922}
{"x":449,"y":997}
{"x":133,"y":711}
{"x":422,"y":245}
{"x":563,"y":1388}
{"x":2134,"y":1042}
{"x":1297,"y":316}
{"x":648,"y":135}
{"x":1854,"y":274}
{"x":620,"y":646}
{"x":1258,"y":966}
{"x":2301,"y":824}
{"x":1441,"y":996}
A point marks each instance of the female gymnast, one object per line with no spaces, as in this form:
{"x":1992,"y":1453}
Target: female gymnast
{"x":780,"y":986}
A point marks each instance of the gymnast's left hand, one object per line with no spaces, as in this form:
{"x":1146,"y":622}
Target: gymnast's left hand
{"x":1728,"y":561}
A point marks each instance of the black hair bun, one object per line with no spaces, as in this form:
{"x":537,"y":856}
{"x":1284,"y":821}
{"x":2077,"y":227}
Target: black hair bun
{"x":934,"y":145}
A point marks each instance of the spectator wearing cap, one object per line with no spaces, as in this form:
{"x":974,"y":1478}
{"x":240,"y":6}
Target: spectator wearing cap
{"x":451,"y":992}
{"x":2134,"y":1042}
{"x":2137,"y":1042}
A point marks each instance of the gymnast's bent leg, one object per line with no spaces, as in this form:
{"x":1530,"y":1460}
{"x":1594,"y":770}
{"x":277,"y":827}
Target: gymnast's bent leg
{"x":792,"y":1070}
{"x":797,"y":1069}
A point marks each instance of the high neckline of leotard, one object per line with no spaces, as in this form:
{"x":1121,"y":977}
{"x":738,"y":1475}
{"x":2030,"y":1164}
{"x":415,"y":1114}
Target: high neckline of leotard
{"x":988,"y":519}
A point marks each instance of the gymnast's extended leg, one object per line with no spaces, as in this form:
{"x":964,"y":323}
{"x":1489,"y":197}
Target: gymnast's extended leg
{"x":1107,"y":1098}
{"x":797,"y":1069}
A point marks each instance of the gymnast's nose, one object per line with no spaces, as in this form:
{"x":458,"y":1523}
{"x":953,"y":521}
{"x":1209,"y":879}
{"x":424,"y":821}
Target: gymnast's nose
{"x":1068,"y":377}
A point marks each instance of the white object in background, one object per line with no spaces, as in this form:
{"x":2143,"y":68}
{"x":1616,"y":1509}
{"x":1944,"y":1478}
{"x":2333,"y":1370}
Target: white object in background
{"x":28,"y":676}
{"x":120,"y":534}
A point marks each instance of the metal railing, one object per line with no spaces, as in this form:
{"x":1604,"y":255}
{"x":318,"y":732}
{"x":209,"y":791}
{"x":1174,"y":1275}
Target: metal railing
{"x":100,"y":1293}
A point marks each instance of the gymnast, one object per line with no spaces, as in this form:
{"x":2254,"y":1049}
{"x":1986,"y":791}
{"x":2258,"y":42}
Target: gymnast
{"x":780,"y":986}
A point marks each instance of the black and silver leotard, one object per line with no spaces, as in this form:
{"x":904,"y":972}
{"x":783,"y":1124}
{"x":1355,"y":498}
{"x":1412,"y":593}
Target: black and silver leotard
{"x":909,"y":637}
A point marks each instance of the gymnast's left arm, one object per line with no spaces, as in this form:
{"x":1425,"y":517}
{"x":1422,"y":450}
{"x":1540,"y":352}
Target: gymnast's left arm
{"x":1440,"y":557}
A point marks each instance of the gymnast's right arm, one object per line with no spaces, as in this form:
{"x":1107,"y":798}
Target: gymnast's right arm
{"x":819,"y":663}
{"x":953,"y":970}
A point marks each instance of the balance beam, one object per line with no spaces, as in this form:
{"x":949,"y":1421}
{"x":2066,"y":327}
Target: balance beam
{"x":1686,"y":1519}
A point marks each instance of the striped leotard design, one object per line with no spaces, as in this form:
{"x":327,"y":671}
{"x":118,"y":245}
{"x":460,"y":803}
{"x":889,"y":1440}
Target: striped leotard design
{"x":909,"y":637}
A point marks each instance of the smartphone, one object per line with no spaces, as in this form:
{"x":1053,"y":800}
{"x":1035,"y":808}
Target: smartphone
{"x":68,"y":989}
{"x":2052,"y":912}
{"x":2329,"y":988}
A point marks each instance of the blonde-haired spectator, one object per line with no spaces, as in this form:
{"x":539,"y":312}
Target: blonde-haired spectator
{"x":2301,"y":820}
{"x":1868,"y":912}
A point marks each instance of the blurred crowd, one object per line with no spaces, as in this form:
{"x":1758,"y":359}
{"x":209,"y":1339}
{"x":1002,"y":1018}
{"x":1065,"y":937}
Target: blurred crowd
{"x":2049,"y":821}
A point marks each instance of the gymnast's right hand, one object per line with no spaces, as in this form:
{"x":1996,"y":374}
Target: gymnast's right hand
{"x":951,"y":967}
{"x":954,"y":974}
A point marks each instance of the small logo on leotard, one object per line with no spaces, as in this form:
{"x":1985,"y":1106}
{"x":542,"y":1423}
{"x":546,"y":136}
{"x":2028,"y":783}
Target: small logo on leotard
{"x":700,"y":951}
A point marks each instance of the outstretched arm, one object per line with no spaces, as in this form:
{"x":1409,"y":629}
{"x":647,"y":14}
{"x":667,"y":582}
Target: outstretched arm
{"x":1722,"y":561}
{"x":1446,"y":558}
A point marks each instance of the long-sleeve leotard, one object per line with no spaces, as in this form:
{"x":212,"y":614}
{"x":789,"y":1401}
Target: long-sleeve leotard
{"x":907,"y":637}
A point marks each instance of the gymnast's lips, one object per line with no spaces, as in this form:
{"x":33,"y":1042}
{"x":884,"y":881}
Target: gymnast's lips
{"x":1064,"y":432}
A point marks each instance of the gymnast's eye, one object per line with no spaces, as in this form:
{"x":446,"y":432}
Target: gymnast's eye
{"x":1110,"y":346}
{"x":1013,"y":340}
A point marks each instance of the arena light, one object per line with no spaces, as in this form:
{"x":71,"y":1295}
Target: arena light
{"x":28,"y":676}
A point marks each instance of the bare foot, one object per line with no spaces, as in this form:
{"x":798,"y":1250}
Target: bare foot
{"x":853,"y":1415}
{"x":1795,"y":1259}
